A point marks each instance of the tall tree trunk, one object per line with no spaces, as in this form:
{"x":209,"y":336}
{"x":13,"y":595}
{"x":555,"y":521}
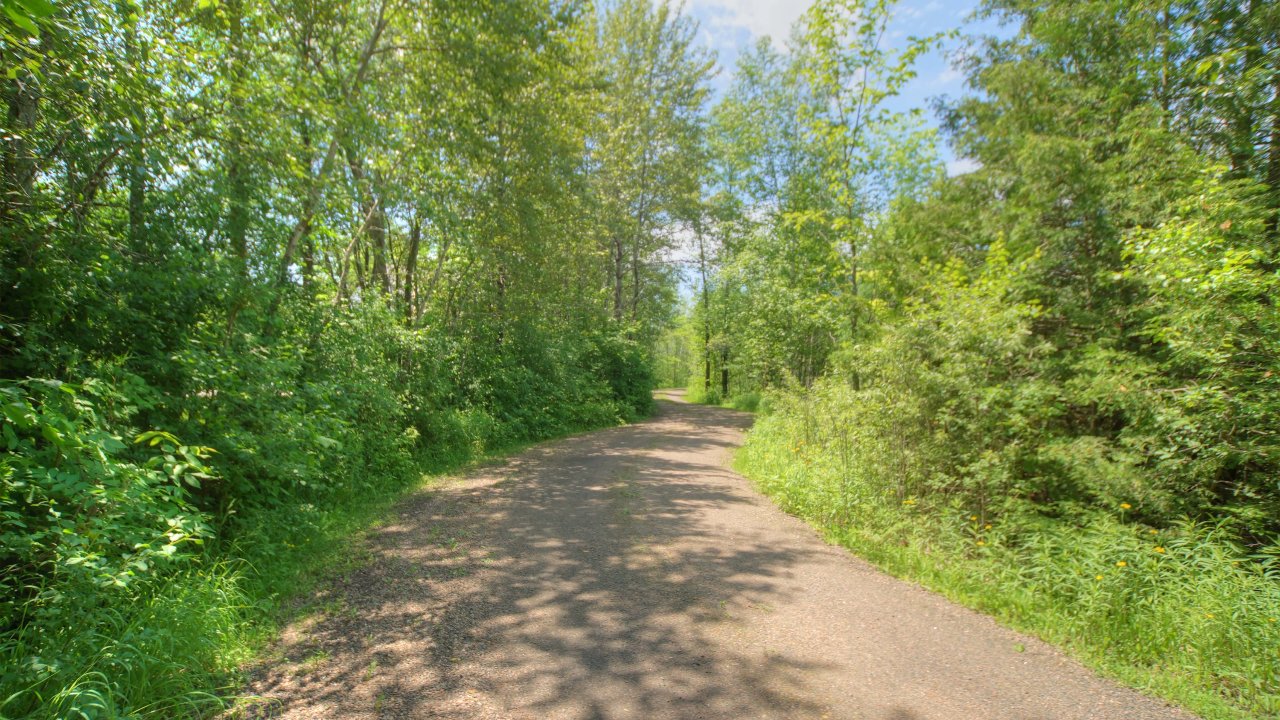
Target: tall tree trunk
{"x":724,"y":374}
{"x":635,"y":262}
{"x":441,"y":257}
{"x":1165,"y":93}
{"x":375,"y":227}
{"x":237,"y":221}
{"x":853,"y":288}
{"x":706,"y":312}
{"x":304,"y":131}
{"x":19,"y":159}
{"x":635,"y":278}
{"x":362,"y":259}
{"x":312,"y":200}
{"x":378,"y":247}
{"x":643,"y":209}
{"x":138,"y":188}
{"x":410,"y":267}
{"x":136,"y":174}
{"x":1241,"y":147}
{"x":309,"y":265}
{"x":237,"y":180}
{"x":619,"y":271}
{"x":642,"y":226}
{"x":346,"y":262}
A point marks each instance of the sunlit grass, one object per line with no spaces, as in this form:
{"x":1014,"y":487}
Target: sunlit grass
{"x":1183,"y":612}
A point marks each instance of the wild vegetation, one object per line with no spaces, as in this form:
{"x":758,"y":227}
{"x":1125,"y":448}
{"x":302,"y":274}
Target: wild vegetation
{"x":1048,"y":386}
{"x":266,"y":264}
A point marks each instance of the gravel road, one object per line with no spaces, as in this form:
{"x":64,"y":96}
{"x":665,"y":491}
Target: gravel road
{"x":627,"y":573}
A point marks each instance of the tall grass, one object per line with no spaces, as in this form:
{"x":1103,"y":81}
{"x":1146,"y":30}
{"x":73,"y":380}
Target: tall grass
{"x":1185,"y":611}
{"x":164,"y":650}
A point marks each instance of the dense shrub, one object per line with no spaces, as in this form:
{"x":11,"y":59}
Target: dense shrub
{"x":136,"y":568}
{"x":101,"y":576}
{"x":951,"y":448}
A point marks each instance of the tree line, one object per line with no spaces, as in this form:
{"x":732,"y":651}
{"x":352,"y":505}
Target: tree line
{"x":1058,"y":372}
{"x":266,"y":262}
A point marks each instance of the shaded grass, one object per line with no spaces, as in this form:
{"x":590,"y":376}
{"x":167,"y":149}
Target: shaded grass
{"x":1184,"y":613}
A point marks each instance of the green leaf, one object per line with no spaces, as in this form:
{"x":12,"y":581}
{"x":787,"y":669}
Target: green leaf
{"x":51,"y":434}
{"x":21,"y":20}
{"x":38,"y":8}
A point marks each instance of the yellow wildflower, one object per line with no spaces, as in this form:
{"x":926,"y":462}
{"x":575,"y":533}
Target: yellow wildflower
{"x":973,"y":518}
{"x":1159,"y":549}
{"x":1097,"y":577}
{"x":1125,"y":506}
{"x":981,"y":543}
{"x":1121,"y":563}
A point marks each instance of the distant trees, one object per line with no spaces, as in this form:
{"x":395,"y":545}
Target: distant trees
{"x":810,"y":157}
{"x":1125,"y":153}
{"x":647,"y":152}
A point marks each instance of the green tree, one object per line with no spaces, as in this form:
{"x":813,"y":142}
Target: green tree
{"x":647,"y":157}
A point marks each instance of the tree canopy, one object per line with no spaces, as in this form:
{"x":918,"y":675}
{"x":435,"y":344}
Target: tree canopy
{"x":263,"y":261}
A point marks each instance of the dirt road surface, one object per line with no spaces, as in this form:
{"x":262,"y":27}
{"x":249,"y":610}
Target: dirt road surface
{"x":628,"y":573}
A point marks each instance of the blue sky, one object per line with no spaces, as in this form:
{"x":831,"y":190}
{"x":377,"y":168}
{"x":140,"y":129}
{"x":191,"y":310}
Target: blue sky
{"x":729,"y":26}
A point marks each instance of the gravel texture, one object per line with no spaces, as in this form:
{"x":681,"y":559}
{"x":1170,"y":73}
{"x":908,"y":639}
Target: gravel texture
{"x":627,"y":573}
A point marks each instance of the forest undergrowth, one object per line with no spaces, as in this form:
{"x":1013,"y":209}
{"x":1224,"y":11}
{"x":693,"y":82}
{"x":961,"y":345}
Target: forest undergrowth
{"x":1045,"y":380}
{"x":160,"y":568}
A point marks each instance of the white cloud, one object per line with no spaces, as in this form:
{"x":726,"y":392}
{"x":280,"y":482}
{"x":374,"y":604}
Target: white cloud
{"x":962,"y":166}
{"x":760,"y":17}
{"x":949,"y":75}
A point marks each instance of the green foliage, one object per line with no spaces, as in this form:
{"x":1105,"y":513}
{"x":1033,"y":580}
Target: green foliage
{"x":623,"y":364}
{"x":110,"y":605}
{"x":699,"y":393}
{"x":330,"y":246}
{"x":106,"y":604}
{"x":79,"y":516}
{"x":451,"y":235}
{"x":948,"y":463}
{"x":1184,"y":610}
{"x":1204,"y":415}
{"x":1056,"y":394}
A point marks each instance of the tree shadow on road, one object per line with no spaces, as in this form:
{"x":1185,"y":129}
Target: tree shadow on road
{"x":579,"y":580}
